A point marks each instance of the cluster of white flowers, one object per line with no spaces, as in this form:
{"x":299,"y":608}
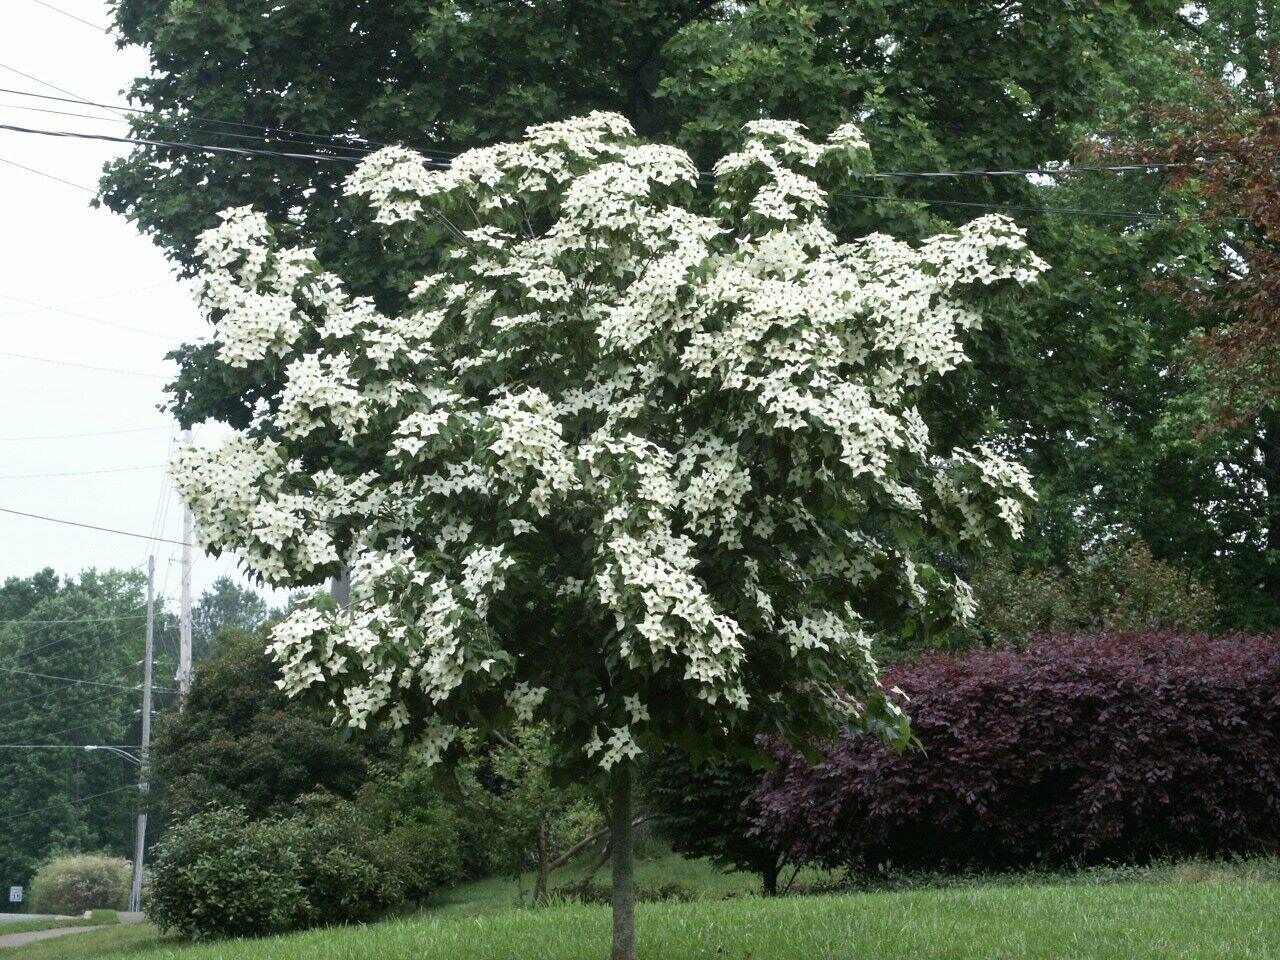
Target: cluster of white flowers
{"x":524,"y":700}
{"x":608,"y":436}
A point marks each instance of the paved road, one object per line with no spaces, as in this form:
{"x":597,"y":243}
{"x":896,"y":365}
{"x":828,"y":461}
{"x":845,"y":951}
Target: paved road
{"x":31,"y":936}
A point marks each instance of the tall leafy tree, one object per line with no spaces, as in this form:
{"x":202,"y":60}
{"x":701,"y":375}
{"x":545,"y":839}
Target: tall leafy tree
{"x":69,"y":676}
{"x":224,"y":605}
{"x":939,"y":84}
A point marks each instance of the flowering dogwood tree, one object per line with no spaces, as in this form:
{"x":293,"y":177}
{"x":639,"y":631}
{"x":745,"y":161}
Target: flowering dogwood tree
{"x":645,"y":473}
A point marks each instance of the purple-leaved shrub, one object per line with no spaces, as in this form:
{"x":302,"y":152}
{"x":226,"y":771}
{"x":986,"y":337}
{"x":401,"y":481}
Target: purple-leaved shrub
{"x":1087,"y":748}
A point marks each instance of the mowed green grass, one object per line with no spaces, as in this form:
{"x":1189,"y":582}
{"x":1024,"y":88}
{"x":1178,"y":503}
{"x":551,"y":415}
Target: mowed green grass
{"x":30,"y":926}
{"x":1201,"y":920}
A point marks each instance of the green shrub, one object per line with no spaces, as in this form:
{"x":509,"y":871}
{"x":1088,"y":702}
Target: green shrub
{"x":240,"y":742}
{"x":1118,"y":585}
{"x":71,"y":885}
{"x":347,"y":873}
{"x":220,"y":874}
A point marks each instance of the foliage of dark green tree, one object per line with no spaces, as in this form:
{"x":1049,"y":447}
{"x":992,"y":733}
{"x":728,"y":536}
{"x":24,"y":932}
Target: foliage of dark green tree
{"x":1073,"y":380}
{"x":69,"y":676}
{"x":241,"y":743}
{"x":1144,"y":450}
{"x":697,"y":808}
{"x":1118,"y":586}
{"x":936,"y":84}
{"x":450,"y":75}
{"x":224,"y":604}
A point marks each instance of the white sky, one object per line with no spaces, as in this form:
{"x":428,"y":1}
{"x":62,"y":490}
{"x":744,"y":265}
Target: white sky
{"x":57,"y":252}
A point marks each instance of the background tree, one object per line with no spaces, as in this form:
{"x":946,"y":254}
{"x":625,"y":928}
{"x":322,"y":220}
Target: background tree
{"x":645,"y":474}
{"x":452,"y":74}
{"x":241,"y":743}
{"x":1072,"y":376}
{"x":225,"y":605}
{"x":699,"y":810}
{"x":69,"y":676}
{"x":535,"y":823}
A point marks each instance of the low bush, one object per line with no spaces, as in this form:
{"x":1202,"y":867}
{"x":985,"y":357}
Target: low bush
{"x":1118,"y":585}
{"x":73,"y":884}
{"x":220,"y":873}
{"x":1088,"y":749}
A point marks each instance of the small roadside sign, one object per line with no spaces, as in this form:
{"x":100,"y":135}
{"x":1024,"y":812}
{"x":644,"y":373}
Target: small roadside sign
{"x":15,"y":894}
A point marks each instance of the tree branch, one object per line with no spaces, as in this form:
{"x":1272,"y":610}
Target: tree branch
{"x":581,"y":845}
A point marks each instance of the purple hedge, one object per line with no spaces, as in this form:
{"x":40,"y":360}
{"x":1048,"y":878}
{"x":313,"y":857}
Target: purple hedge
{"x":1077,"y":749}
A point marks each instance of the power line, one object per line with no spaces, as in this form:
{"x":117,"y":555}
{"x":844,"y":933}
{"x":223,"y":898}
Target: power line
{"x":47,"y":693}
{"x":258,"y":138}
{"x":62,"y":709}
{"x":84,"y":316}
{"x":45,"y":83}
{"x":65,"y":746}
{"x":65,"y":13}
{"x":337,"y":141}
{"x":75,"y":436}
{"x":1134,"y":215}
{"x":83,"y":366}
{"x":89,"y":526}
{"x":93,"y":299}
{"x":192,"y":147}
{"x":41,"y":173}
{"x":47,"y":623}
{"x":64,"y":803}
{"x":51,"y":676}
{"x":331,"y":140}
{"x":78,"y":473}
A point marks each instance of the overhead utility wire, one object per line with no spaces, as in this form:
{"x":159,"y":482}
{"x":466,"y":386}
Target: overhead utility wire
{"x":94,"y":299}
{"x":75,"y":436}
{"x":74,"y":680}
{"x":70,"y":802}
{"x":90,"y":526}
{"x":441,"y":165}
{"x":1138,"y":215}
{"x":192,"y":147}
{"x":83,"y":366}
{"x":46,"y":714}
{"x":329,"y":139}
{"x":357,"y":151}
{"x":46,"y":83}
{"x":67,"y":13}
{"x":49,"y":623}
{"x":78,"y":473}
{"x":84,"y":316}
{"x":41,"y":173}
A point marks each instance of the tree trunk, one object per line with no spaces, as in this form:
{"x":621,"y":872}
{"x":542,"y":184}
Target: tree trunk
{"x":624,"y":903}
{"x":769,"y":876}
{"x":544,"y":868}
{"x":1270,"y":447}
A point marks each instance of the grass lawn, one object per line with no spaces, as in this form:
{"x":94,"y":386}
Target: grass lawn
{"x":28,"y":926}
{"x":1227,"y":917}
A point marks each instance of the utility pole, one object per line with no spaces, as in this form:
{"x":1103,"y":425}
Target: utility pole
{"x":140,"y":825}
{"x":184,"y":623}
{"x":340,"y":587}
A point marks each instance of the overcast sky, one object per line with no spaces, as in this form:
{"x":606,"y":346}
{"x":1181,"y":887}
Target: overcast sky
{"x":121,"y":308}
